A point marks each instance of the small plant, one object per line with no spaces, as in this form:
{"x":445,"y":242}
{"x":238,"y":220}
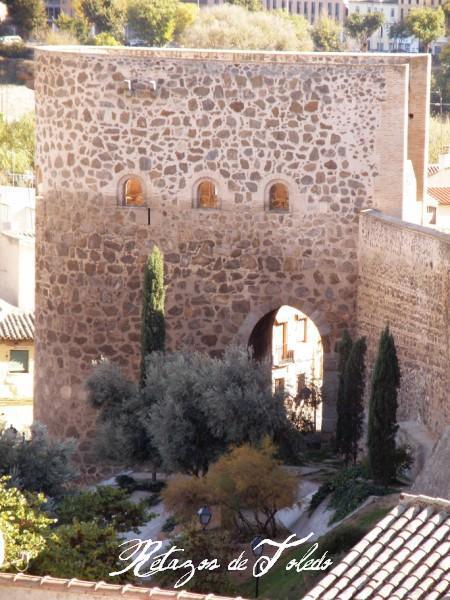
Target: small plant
{"x":17,"y":50}
{"x":169,"y":525}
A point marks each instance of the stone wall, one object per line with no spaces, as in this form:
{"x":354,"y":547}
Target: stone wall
{"x":334,"y":128}
{"x":404,"y":281}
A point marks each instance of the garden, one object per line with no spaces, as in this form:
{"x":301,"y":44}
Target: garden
{"x":214,"y":460}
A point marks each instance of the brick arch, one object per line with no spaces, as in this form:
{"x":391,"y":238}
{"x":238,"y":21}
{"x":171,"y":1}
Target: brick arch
{"x":261,"y":312}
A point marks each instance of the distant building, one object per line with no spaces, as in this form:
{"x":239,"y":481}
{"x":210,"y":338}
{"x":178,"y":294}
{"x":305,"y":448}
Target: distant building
{"x":16,"y":366}
{"x":438,"y":193}
{"x":55,"y":7}
{"x":17,"y":243}
{"x":17,"y":266}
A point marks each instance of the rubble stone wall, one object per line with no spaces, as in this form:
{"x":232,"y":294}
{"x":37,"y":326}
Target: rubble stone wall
{"x":404,"y":282}
{"x":333,"y":128}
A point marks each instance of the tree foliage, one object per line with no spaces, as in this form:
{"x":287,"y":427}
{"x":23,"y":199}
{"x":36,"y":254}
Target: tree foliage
{"x":185,"y":15}
{"x":326,"y":35}
{"x":360,"y":27}
{"x":246,"y":479}
{"x":22,"y":523}
{"x":121,"y":434}
{"x":153,"y":332}
{"x":247,"y":4}
{"x":16,"y":146}
{"x":383,"y":426}
{"x":426,"y":24}
{"x":352,"y":409}
{"x":199,"y":406}
{"x":37,"y":463}
{"x":77,"y":26}
{"x":234,"y":27}
{"x":153,"y":22}
{"x":27,"y":15}
{"x":108,"y":16}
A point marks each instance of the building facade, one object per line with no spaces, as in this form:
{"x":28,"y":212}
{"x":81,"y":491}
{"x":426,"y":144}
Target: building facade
{"x":248,"y":170}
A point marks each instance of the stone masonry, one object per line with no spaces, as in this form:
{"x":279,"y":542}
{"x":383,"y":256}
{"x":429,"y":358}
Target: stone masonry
{"x":336,"y":129}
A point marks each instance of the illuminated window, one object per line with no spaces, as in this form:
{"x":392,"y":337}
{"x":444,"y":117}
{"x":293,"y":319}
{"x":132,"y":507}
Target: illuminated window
{"x":132,"y":192}
{"x":207,"y":195}
{"x":278,"y":197}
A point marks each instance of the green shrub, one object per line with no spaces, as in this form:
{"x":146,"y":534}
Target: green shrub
{"x":82,"y":550}
{"x":103,"y":39}
{"x":105,"y":506}
{"x":22,"y":522}
{"x":348,"y":488}
{"x":16,"y":51}
{"x":169,"y":524}
{"x":36,"y":463}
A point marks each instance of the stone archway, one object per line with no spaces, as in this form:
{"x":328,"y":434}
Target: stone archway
{"x":256,"y":331}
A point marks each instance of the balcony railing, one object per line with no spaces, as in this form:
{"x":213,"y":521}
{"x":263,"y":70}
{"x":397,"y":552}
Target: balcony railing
{"x":282,"y":355}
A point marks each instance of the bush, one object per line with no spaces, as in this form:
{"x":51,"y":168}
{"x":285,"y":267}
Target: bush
{"x":248,"y":483}
{"x":198,"y":546}
{"x":169,"y":525}
{"x":16,"y":51}
{"x":105,"y":506}
{"x":103,"y":39}
{"x":82,"y":550}
{"x":23,"y":524}
{"x":234,"y":27}
{"x":37,"y":464}
{"x":348,"y":488}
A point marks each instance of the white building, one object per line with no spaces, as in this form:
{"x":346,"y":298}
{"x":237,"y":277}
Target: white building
{"x":438,"y":193}
{"x":17,"y":243}
{"x":380,"y":41}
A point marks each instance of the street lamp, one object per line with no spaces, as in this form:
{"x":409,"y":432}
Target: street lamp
{"x":257,"y":549}
{"x":204,"y":516}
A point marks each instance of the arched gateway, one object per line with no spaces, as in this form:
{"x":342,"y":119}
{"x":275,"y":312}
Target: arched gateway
{"x":249,"y":172}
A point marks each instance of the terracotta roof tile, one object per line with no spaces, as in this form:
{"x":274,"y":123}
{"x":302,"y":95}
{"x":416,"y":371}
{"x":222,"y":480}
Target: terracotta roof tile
{"x":440,"y":194}
{"x":433,"y":169}
{"x":17,"y":326}
{"x":100,"y":589}
{"x":405,"y":556}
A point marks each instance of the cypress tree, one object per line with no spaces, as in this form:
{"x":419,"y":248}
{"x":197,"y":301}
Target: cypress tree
{"x":353,"y":400}
{"x":153,"y":331}
{"x":344,"y":347}
{"x":383,"y":411}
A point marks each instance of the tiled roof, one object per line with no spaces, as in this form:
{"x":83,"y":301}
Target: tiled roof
{"x":63,"y":588}
{"x":441,"y":194}
{"x":15,"y":325}
{"x":405,"y":556}
{"x":433,"y":169}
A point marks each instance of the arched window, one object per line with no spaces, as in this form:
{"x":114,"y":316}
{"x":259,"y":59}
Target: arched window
{"x":278,"y":197}
{"x":207,"y":195}
{"x":132,"y":192}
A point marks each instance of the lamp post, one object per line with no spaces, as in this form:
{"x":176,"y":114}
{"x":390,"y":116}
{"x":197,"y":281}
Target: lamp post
{"x":204,"y":516}
{"x":257,"y":549}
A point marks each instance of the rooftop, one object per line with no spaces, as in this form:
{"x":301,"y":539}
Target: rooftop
{"x":440,"y":194}
{"x":16,"y":325}
{"x":406,"y":555}
{"x":56,"y":589}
